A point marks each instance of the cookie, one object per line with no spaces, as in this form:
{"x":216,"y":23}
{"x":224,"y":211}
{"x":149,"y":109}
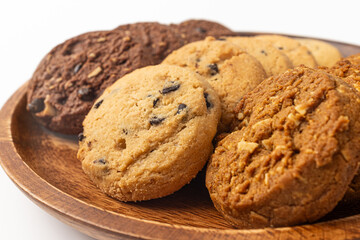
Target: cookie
{"x":324,"y":53}
{"x":349,"y":70}
{"x":196,"y":30}
{"x":272,"y":59}
{"x":73,"y":74}
{"x":69,"y":78}
{"x":354,"y":59}
{"x":297,"y":53}
{"x":149,"y":133}
{"x":230,"y":71}
{"x":293,"y":152}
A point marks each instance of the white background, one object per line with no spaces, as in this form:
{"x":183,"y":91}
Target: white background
{"x":29,"y":29}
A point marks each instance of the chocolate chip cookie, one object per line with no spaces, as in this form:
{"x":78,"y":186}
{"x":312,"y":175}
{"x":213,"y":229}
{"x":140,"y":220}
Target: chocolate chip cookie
{"x":324,"y":53}
{"x":73,"y":74}
{"x":293,"y":152}
{"x":230,"y":71}
{"x":297,"y":53}
{"x":149,"y":133}
{"x":272,"y":59}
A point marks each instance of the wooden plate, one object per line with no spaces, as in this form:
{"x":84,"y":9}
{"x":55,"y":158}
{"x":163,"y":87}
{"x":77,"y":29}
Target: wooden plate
{"x":44,"y":166}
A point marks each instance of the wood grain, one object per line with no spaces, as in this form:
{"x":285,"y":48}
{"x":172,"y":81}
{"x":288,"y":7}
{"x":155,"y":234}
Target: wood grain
{"x":44,"y":166}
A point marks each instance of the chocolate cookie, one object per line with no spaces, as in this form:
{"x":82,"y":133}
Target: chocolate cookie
{"x":74,"y":73}
{"x":150,"y":133}
{"x":230,"y":71}
{"x":297,"y":53}
{"x":158,"y":39}
{"x":293,"y":153}
{"x":196,"y":30}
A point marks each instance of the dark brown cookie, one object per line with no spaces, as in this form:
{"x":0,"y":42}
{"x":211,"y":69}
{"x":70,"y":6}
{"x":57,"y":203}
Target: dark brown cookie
{"x":158,"y":39}
{"x":195,"y":30}
{"x":293,"y":153}
{"x":74,"y":73}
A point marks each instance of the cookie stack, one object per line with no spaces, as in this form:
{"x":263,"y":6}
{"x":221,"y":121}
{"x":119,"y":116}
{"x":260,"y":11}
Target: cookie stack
{"x":148,"y":100}
{"x":75,"y":73}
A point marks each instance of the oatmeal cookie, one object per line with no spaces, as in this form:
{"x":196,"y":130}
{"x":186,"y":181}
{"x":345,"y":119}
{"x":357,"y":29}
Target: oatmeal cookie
{"x":293,"y":152}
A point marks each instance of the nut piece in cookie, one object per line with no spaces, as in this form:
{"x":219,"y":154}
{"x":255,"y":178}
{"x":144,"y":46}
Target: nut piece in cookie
{"x":230,"y":71}
{"x":293,"y":152}
{"x":149,"y":133}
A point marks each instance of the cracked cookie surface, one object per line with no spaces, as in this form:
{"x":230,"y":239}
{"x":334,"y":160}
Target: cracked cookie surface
{"x":149,"y":133}
{"x":293,"y":152}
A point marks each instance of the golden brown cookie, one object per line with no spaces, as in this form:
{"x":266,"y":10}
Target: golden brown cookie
{"x":272,"y":59}
{"x":349,"y":70}
{"x":149,"y":133}
{"x":230,"y":71}
{"x":297,"y":53}
{"x":293,"y":153}
{"x":324,"y":53}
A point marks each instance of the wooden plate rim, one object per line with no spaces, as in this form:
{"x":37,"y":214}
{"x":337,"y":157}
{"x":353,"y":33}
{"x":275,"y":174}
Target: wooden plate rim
{"x":106,"y":225}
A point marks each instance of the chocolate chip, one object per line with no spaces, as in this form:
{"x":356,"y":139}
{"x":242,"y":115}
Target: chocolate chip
{"x":208,"y":103}
{"x":280,"y":48}
{"x":156,"y":120}
{"x":37,"y":105}
{"x":125,"y":131}
{"x":155,"y":102}
{"x":86,"y":94}
{"x":100,"y":161}
{"x":181,"y":107}
{"x":77,"y":67}
{"x":171,"y":88}
{"x":263,"y":52}
{"x":221,"y":39}
{"x":213,"y":69}
{"x":200,"y":30}
{"x":62,"y":100}
{"x":81,"y":137}
{"x":97,"y":105}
